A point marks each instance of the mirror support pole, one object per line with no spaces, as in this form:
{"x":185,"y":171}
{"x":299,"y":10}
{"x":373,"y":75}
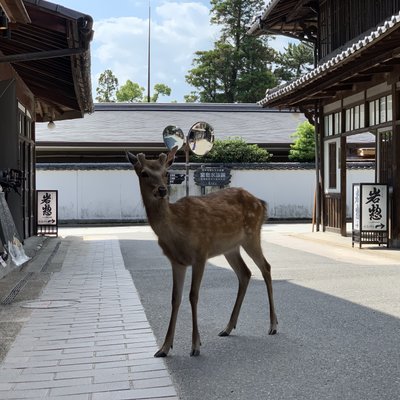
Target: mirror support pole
{"x":186,"y":146}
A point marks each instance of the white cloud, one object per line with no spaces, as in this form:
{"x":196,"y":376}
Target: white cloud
{"x":177,"y":31}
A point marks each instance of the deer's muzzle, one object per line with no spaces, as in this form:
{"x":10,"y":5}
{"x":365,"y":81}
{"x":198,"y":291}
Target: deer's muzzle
{"x":162,"y":191}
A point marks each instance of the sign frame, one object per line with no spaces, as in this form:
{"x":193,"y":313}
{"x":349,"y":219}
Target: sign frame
{"x":370,"y":222}
{"x":47,"y":216}
{"x":212,"y":176}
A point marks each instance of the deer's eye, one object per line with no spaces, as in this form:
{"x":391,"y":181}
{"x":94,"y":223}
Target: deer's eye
{"x":144,"y":174}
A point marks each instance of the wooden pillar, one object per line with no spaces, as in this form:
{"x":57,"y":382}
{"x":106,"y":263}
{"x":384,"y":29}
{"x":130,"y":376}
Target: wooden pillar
{"x":320,"y":116}
{"x":395,"y":215}
{"x":343,"y":179}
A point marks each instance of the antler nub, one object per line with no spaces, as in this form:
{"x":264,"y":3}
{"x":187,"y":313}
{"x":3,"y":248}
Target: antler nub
{"x":162,"y":157}
{"x":141,"y":158}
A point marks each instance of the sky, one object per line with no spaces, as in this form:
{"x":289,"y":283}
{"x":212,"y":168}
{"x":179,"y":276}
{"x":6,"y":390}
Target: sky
{"x":179,"y":28}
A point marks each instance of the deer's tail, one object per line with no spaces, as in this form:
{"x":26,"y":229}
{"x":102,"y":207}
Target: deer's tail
{"x":265,"y":206}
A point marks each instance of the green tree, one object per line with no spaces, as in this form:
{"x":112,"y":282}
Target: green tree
{"x":107,"y":87}
{"x":133,"y":92}
{"x":130,"y":92}
{"x":303,"y":147}
{"x":296,"y":60}
{"x":238,"y":69}
{"x":233,"y":150}
{"x":160,"y":88}
{"x":192,"y":97}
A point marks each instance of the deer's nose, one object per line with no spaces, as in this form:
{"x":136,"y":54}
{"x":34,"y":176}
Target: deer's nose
{"x":162,"y":191}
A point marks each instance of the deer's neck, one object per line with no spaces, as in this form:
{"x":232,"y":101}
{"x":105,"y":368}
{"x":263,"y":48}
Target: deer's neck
{"x":158,"y":214}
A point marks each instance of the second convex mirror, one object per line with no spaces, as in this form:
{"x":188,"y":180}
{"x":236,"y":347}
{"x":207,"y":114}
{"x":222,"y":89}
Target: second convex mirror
{"x":200,"y":138}
{"x":173,"y":137}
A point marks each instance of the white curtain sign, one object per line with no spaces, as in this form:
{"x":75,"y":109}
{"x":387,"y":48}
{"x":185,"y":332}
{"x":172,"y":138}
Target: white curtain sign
{"x":370,"y":207}
{"x":47,"y":207}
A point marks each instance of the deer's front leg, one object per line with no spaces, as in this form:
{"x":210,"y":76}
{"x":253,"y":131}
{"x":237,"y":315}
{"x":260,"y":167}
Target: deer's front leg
{"x":178,"y":276}
{"x":197,"y":275}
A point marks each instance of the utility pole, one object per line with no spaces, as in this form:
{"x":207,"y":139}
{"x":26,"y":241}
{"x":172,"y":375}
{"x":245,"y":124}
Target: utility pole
{"x":148,"y":57}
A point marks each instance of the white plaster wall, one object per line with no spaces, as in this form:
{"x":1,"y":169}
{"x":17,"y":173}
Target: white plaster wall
{"x":94,"y":194}
{"x":356,"y":176}
{"x":288,"y":193}
{"x":115,"y":194}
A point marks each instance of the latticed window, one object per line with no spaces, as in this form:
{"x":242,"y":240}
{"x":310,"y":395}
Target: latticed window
{"x":332,"y":173}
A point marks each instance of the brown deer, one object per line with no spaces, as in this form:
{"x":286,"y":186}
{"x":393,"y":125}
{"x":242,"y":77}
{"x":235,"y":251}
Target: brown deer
{"x":197,"y":228}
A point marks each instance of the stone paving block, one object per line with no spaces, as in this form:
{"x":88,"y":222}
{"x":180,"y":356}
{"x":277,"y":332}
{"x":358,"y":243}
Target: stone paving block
{"x":58,"y":368}
{"x":162,"y":373}
{"x":102,"y":346}
{"x":23,"y":394}
{"x":72,"y":397}
{"x":53,"y":384}
{"x":93,"y":373}
{"x":152,"y":383}
{"x":17,"y":377}
{"x":92,"y":388}
{"x":5,"y":386}
{"x":164,"y":392}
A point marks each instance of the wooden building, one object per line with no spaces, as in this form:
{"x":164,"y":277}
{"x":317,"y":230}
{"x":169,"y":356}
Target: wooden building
{"x":44,"y":76}
{"x":354,"y":89}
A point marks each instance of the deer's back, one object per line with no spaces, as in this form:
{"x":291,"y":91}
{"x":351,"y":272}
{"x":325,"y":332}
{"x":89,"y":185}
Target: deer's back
{"x":214,"y":223}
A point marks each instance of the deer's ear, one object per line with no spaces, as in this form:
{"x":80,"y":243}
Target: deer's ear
{"x":171,"y":156}
{"x":131,"y":158}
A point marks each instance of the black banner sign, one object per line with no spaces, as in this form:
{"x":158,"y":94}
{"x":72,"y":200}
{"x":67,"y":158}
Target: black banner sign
{"x":212,"y":176}
{"x":175,"y":179}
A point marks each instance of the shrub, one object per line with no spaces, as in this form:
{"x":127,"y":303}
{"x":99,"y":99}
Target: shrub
{"x":233,"y":150}
{"x":303,"y":148}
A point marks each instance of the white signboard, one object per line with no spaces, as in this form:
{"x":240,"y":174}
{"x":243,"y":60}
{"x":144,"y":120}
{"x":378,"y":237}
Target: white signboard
{"x":370,"y":207}
{"x":47,"y":207}
{"x":374,"y":207}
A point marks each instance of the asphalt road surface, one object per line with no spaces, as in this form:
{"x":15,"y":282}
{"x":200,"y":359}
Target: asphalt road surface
{"x":338,"y":333}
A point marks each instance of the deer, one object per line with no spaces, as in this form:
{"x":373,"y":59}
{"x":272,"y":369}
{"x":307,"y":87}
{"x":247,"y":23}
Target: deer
{"x":196,"y":228}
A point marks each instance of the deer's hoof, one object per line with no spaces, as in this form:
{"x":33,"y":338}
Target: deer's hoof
{"x":223,"y":333}
{"x":273,"y":329}
{"x":160,"y":353}
{"x":194,"y":353}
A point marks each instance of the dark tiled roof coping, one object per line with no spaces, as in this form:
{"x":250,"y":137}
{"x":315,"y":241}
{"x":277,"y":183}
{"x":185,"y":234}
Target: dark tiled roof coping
{"x":390,"y":24}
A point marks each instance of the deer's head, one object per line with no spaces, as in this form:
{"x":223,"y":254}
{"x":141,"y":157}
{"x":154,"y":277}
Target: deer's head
{"x":152,"y":174}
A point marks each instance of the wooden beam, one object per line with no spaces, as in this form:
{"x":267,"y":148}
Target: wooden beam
{"x":294,"y":13}
{"x":40,"y":55}
{"x":15,"y":11}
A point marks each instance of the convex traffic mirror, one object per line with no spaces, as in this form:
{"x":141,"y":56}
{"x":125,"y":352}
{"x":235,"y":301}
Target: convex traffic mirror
{"x":199,"y":140}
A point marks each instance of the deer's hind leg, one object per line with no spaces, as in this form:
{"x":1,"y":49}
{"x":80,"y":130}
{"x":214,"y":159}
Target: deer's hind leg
{"x":253,"y":249}
{"x":243,"y":274}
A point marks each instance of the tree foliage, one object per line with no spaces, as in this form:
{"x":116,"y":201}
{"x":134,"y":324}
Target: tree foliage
{"x":233,"y":150}
{"x":108,"y":91}
{"x":160,"y":88}
{"x":130,"y":92}
{"x":107,"y":87}
{"x":296,"y":60}
{"x":303,"y":148}
{"x":238,"y":68}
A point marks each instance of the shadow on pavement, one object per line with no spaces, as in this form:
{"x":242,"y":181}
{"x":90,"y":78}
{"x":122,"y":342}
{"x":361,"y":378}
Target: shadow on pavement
{"x":326,"y":348}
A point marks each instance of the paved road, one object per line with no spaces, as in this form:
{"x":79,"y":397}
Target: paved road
{"x":338,"y":310}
